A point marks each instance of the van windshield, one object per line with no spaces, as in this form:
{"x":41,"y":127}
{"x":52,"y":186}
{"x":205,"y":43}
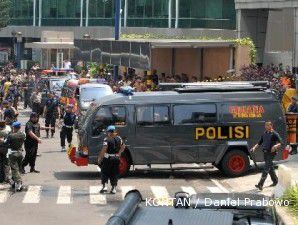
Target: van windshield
{"x":94,"y":93}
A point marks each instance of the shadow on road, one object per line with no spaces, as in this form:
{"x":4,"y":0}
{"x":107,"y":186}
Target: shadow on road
{"x":77,"y":175}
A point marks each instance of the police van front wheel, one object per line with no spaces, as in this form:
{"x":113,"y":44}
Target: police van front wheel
{"x":235,"y":163}
{"x":124,"y":165}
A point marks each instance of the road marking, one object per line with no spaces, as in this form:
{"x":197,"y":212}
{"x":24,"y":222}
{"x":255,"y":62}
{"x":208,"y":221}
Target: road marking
{"x":189,"y":190}
{"x":214,"y":190}
{"x":222,"y":188}
{"x":161,"y":194}
{"x":125,"y":189}
{"x":3,"y":196}
{"x":95,"y":197}
{"x":64,"y":195}
{"x":32,"y":195}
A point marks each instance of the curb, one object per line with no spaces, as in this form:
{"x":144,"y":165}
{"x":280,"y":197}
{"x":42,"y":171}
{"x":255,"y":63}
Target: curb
{"x":283,"y":217}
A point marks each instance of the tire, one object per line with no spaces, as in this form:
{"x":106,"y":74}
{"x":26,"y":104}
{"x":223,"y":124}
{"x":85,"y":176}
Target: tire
{"x":235,"y":163}
{"x":124,"y":165}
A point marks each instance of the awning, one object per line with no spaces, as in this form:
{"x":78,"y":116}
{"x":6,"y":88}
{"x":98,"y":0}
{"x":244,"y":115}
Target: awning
{"x":50,"y":45}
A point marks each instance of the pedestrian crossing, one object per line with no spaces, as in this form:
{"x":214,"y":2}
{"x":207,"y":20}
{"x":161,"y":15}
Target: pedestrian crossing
{"x":66,"y":195}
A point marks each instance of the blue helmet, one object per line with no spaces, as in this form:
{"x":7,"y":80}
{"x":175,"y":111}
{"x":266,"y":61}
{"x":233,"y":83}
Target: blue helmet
{"x":16,"y":124}
{"x":111,"y":128}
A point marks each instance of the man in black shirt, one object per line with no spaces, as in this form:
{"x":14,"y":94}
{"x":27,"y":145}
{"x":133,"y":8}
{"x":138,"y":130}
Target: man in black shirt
{"x":109,"y":159}
{"x":69,"y":119}
{"x":270,"y":142}
{"x":32,"y":140}
{"x":51,"y":112}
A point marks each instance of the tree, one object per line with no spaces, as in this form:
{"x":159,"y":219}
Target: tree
{"x":5,"y":6}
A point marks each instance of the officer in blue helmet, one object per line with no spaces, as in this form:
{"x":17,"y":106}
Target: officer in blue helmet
{"x":15,"y":141}
{"x":109,"y":159}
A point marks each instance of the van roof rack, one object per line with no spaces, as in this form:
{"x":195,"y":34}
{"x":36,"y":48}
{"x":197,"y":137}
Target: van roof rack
{"x":215,"y":85}
{"x":223,"y":86}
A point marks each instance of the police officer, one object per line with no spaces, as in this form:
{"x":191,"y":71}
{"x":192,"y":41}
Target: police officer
{"x":10,"y":114}
{"x":32,"y":131}
{"x":51,"y":112}
{"x":4,"y":163}
{"x":69,"y":119}
{"x":15,"y":141}
{"x":270,"y":142}
{"x":109,"y":159}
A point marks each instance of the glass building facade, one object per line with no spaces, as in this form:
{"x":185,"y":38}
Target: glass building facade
{"x":214,"y":14}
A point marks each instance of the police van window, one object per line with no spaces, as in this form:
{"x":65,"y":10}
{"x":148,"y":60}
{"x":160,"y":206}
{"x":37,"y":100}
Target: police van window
{"x":152,"y":115}
{"x":145,"y":115}
{"x":193,"y":114}
{"x":105,"y":116}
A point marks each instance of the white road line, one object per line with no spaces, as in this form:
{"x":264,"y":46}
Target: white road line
{"x":224,"y":190}
{"x":32,"y":195}
{"x":214,"y":190}
{"x":64,"y":195}
{"x":125,"y":189}
{"x":95,"y":197}
{"x":3,"y":196}
{"x":189,"y":190}
{"x":160,"y":193}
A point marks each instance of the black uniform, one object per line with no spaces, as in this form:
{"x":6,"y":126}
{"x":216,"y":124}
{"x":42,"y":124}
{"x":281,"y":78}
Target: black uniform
{"x":69,"y":120}
{"x":52,"y":105}
{"x":268,"y":140}
{"x":110,"y":163}
{"x":31,"y":145}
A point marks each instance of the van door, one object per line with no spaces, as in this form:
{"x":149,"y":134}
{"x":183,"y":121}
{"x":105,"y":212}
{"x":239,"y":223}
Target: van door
{"x":151,"y":144}
{"x":105,"y":116}
{"x":186,"y":147}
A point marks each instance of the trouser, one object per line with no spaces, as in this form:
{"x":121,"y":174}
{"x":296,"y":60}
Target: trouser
{"x":30,"y":157}
{"x":15,"y":161}
{"x":66,"y":133}
{"x":26,"y":100}
{"x":36,"y":108}
{"x":4,"y":168}
{"x":269,"y":169}
{"x":109,"y":170}
{"x":50,"y":122}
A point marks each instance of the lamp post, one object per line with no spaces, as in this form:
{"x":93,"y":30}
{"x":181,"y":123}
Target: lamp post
{"x":117,"y":30}
{"x":19,"y":41}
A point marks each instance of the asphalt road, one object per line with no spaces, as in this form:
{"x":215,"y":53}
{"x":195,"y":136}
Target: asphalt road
{"x":65,"y":194}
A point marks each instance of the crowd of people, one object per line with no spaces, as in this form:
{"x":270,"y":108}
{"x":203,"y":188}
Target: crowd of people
{"x":21,"y":85}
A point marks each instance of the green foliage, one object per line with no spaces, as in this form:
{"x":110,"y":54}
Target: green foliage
{"x":291,"y":195}
{"x":241,"y":41}
{"x":248,"y":42}
{"x":5,"y":6}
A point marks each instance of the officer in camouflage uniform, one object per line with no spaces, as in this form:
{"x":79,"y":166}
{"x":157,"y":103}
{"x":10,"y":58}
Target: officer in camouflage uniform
{"x":4,"y":163}
{"x":15,"y":141}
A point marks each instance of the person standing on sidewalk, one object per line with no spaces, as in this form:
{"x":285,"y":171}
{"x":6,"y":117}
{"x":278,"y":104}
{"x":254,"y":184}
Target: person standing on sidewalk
{"x":4,"y":162}
{"x":270,"y":142}
{"x":32,"y":131}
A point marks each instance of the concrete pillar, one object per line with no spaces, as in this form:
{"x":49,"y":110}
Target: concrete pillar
{"x":39,"y":12}
{"x":170,"y":13}
{"x":34,"y":13}
{"x":177,"y":14}
{"x":81,"y":13}
{"x":87,"y":13}
{"x":125,"y":13}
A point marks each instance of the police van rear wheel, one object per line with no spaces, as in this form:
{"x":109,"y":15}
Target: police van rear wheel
{"x":235,"y":163}
{"x":124,"y":165}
